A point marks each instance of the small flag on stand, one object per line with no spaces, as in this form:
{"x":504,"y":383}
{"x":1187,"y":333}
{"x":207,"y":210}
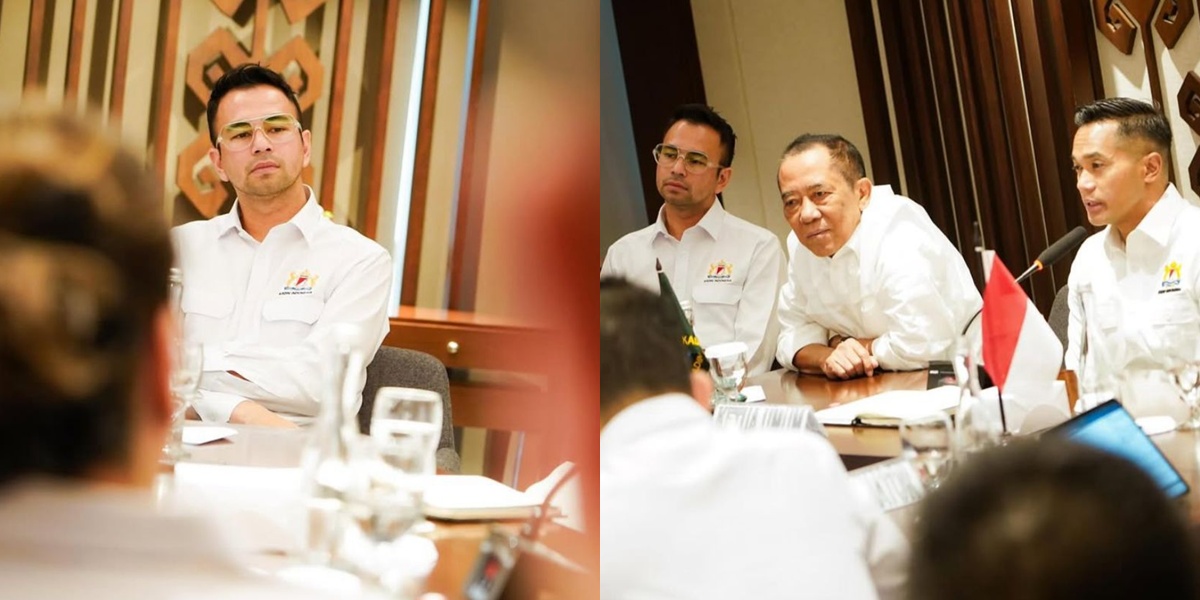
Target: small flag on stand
{"x":695,"y":351}
{"x":1018,"y":344}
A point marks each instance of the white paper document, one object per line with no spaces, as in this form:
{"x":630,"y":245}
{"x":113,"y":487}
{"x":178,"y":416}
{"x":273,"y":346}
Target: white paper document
{"x":194,"y":435}
{"x":889,"y":408}
{"x":468,"y":497}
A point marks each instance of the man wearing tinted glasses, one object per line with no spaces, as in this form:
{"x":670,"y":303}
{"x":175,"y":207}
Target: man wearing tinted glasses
{"x":265,"y":283}
{"x":728,"y":269}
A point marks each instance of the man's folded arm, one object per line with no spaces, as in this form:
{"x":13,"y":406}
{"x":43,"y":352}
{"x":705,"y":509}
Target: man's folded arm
{"x":799,"y":337}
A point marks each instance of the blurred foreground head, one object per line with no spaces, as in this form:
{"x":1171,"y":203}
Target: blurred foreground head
{"x":1050,"y":519}
{"x":84,"y":256}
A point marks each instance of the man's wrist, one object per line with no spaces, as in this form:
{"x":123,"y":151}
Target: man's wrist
{"x":835,"y":340}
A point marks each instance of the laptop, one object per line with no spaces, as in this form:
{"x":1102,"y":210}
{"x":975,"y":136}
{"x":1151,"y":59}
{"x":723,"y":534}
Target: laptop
{"x":1111,"y":428}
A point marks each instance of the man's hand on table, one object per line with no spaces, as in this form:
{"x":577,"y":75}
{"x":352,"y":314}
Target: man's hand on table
{"x":250,"y":412}
{"x":849,"y":358}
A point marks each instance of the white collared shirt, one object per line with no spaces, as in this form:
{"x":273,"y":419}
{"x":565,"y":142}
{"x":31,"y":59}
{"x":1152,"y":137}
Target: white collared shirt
{"x":264,"y":310}
{"x":728,"y":268}
{"x":61,"y":539}
{"x":897,"y":279}
{"x":691,"y":510}
{"x":1144,"y":291}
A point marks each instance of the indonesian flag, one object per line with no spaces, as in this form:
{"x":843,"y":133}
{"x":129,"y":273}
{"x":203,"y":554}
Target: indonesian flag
{"x":1018,"y":345}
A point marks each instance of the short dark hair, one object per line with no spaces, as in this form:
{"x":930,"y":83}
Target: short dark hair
{"x":1135,"y":120}
{"x":844,"y":154}
{"x":702,"y":114}
{"x":243,"y":76}
{"x":640,"y":343}
{"x":1050,"y":519}
{"x":85,"y":252}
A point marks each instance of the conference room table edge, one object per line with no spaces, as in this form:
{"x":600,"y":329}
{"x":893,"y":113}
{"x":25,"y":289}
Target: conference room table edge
{"x":862,"y":446}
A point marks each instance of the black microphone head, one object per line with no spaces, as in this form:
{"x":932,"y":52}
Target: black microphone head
{"x":1060,"y":248}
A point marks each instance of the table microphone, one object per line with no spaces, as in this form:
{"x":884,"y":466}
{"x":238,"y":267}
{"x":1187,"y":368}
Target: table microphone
{"x":1056,"y":251}
{"x":1048,"y":257}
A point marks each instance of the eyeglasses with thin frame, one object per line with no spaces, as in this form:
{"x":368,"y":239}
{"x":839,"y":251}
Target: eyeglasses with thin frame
{"x":693,"y":162}
{"x":278,"y":128}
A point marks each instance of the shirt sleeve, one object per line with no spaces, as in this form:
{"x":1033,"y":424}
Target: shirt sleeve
{"x":294,"y":371}
{"x":920,"y":309}
{"x":796,"y":329}
{"x":756,"y":324}
{"x":608,"y":268}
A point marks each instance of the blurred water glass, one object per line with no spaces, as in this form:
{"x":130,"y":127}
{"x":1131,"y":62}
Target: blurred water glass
{"x":1096,"y":373}
{"x":406,"y":425}
{"x":727,"y":364}
{"x":383,"y":502}
{"x":187,"y":365}
{"x":927,"y":442}
{"x":1148,"y":390}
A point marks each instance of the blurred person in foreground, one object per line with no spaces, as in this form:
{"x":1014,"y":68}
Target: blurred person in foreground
{"x":691,"y":510}
{"x":1049,"y":519}
{"x":84,"y":338}
{"x":265,"y":283}
{"x":873,"y":284}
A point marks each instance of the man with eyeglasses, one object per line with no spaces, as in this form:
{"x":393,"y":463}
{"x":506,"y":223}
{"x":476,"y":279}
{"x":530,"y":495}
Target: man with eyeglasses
{"x":727,"y":268}
{"x":265,"y":283}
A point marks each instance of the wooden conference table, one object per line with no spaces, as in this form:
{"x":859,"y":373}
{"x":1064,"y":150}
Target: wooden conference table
{"x":861,"y":446}
{"x":457,"y":543}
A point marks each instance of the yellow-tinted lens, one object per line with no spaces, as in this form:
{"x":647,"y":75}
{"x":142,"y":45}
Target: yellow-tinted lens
{"x":278,"y":124}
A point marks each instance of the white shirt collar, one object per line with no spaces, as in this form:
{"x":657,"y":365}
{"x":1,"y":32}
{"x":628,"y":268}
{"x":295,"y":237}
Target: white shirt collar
{"x":305,"y":221}
{"x":711,"y":222}
{"x":1157,"y":223}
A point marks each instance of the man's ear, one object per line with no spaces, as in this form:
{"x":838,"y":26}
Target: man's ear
{"x":156,"y":369}
{"x":214,"y":156}
{"x":1153,"y":164}
{"x":862,"y":189}
{"x":306,"y":138}
{"x":702,"y":388}
{"x":723,"y":178}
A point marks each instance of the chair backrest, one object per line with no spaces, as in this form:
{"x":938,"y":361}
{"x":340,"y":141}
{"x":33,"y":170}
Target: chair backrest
{"x":400,"y":367}
{"x":1060,"y":315}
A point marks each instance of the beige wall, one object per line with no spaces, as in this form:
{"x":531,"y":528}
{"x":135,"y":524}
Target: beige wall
{"x":1126,"y":75}
{"x":546,"y":75}
{"x":776,"y":69}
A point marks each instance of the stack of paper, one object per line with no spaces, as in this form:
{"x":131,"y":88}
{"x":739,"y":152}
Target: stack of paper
{"x":889,"y":408}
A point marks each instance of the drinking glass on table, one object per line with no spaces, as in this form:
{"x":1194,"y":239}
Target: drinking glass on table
{"x":727,"y":363}
{"x":187,"y":363}
{"x":927,"y":443}
{"x":406,"y":425}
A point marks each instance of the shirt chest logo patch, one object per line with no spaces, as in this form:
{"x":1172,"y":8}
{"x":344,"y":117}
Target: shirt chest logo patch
{"x":1172,"y":280}
{"x":299,"y":283}
{"x":719,"y":271}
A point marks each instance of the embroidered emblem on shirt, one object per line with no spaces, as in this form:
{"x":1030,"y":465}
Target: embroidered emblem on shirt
{"x":1172,"y":279}
{"x":720,"y":271}
{"x":299,"y":283}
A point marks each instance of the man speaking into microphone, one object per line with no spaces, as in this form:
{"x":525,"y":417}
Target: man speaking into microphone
{"x":1133,"y":285}
{"x":872,"y":283}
